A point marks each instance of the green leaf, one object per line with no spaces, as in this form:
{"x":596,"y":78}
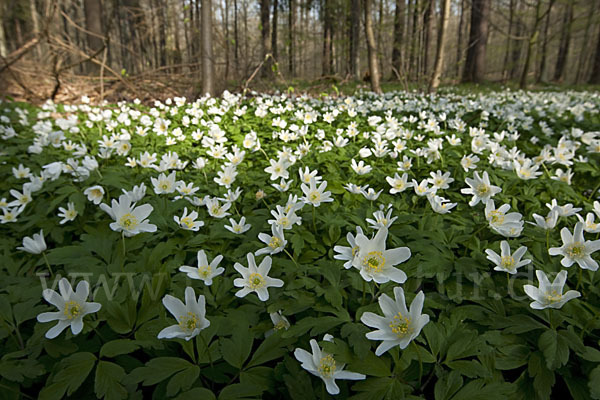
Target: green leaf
{"x":271,"y":348}
{"x":447,"y":385}
{"x":196,"y":394}
{"x":72,"y":371}
{"x":183,"y":380}
{"x":240,"y":391}
{"x":157,"y":370}
{"x":107,"y":383}
{"x":555,"y":349}
{"x":543,"y":379}
{"x":18,"y":370}
{"x":117,"y":347}
{"x":372,"y":365}
{"x":594,"y":383}
{"x":237,"y":349}
{"x":471,"y":369}
{"x":478,"y":390}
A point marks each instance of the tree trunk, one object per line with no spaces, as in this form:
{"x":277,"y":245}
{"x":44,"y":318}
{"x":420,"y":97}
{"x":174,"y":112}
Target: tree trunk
{"x":530,"y":43}
{"x":475,"y":64}
{"x":162,"y":34}
{"x":3,"y":47}
{"x":581,"y":61}
{"x":511,"y":13}
{"x":291,"y":37}
{"x":516,"y":46}
{"x":429,"y":20}
{"x":265,"y":33}
{"x":398,"y":36}
{"x":412,"y":66}
{"x":439,"y":56}
{"x":327,"y":29}
{"x":236,"y":45}
{"x":227,"y":44}
{"x":207,"y":50}
{"x":274,"y":33}
{"x":371,"y":48}
{"x":595,"y":77}
{"x":542,"y":69}
{"x":459,"y":50}
{"x":177,"y":58}
{"x":354,"y":39}
{"x":93,"y":23}
{"x":35,"y":21}
{"x":565,"y":41}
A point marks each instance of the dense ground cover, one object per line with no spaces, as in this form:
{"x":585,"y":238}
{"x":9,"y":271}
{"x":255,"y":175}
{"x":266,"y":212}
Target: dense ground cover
{"x":269,"y":247}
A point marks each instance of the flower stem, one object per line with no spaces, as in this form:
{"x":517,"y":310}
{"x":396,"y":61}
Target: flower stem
{"x":291,"y":257}
{"x":47,"y":263}
{"x":420,"y":362}
{"x":314,"y":212}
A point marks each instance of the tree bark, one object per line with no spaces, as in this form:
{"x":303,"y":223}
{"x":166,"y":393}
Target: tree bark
{"x":265,"y":33}
{"x":292,"y":37}
{"x":274,"y":32}
{"x":398,"y":36}
{"x":595,"y":77}
{"x":459,"y":50}
{"x":542,"y":69}
{"x":429,"y":20}
{"x":581,"y":61}
{"x":371,"y":48}
{"x":3,"y":47}
{"x":327,"y":36}
{"x":475,"y":64}
{"x":439,"y":57}
{"x":354,"y":39}
{"x":207,"y":50}
{"x":93,"y":23}
{"x":565,"y":41}
{"x":530,"y":43}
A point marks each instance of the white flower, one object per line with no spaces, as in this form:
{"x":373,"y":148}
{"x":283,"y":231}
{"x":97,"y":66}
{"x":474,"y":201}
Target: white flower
{"x":164,"y":184}
{"x":345,"y":253}
{"x":323,"y":365}
{"x":205,"y":271}
{"x":35,"y":245}
{"x":275,"y":242}
{"x":360,"y":168}
{"x":589,"y":225}
{"x":314,"y":195}
{"x":279,"y":322}
{"x":10,"y":214}
{"x":215,"y":209}
{"x":255,"y":279}
{"x":505,"y":261}
{"x":137,"y":193}
{"x":439,"y":180}
{"x":94,"y":194}
{"x":286,"y":219}
{"x":480,"y":188}
{"x":381,"y":220}
{"x":278,"y":169}
{"x":563,"y":211}
{"x":375,"y":262}
{"x":72,"y":307}
{"x":550,"y":295}
{"x":238,"y":227}
{"x":398,"y":326}
{"x":129,"y":219}
{"x":370,"y":193}
{"x":191,"y":316}
{"x":576,"y":249}
{"x":546,"y":223}
{"x":440,"y":205}
{"x":398,"y":184}
{"x":188,"y":222}
{"x":67,"y":214}
{"x":422,"y":189}
{"x":508,"y":225}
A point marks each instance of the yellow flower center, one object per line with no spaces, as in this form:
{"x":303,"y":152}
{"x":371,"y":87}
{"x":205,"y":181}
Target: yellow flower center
{"x":164,"y":186}
{"x":554,"y":297}
{"x":284,"y":221}
{"x":204,"y":271}
{"x":496,"y":217}
{"x":327,"y":366}
{"x":96,"y":193}
{"x":400,"y":325}
{"x":275,"y":242}
{"x":256,"y":281}
{"x":576,"y":250}
{"x":508,"y":262}
{"x":72,"y":309}
{"x":188,"y":322}
{"x":128,"y":221}
{"x":216,"y":210}
{"x":482,"y":189}
{"x":314,"y":197}
{"x":374,"y":262}
{"x":280,"y":325}
{"x":188,"y":222}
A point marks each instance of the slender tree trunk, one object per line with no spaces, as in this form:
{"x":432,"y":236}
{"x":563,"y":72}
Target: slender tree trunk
{"x":542,"y":69}
{"x":292,"y":37}
{"x":581,"y":60}
{"x":227,"y":44}
{"x":429,"y":20}
{"x":565,"y":41}
{"x":162,"y":34}
{"x":415,"y":40}
{"x":236,"y":45}
{"x":475,"y":64}
{"x":178,"y":56}
{"x":246,"y":39}
{"x":207,"y":49}
{"x":35,"y":21}
{"x":93,"y":23}
{"x":595,"y":77}
{"x":3,"y":46}
{"x":274,"y":32}
{"x":398,"y":36}
{"x":530,"y":43}
{"x":265,"y":33}
{"x":511,"y":13}
{"x":459,"y":50}
{"x":327,"y":27}
{"x":354,"y":39}
{"x":516,"y":44}
{"x":439,"y":57}
{"x":371,"y":47}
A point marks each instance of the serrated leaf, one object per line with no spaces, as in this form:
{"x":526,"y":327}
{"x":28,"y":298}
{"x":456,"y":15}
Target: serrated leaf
{"x":157,"y":370}
{"x":118,"y":347}
{"x":183,"y":380}
{"x":72,"y":371}
{"x":107,"y":382}
{"x":555,"y":349}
